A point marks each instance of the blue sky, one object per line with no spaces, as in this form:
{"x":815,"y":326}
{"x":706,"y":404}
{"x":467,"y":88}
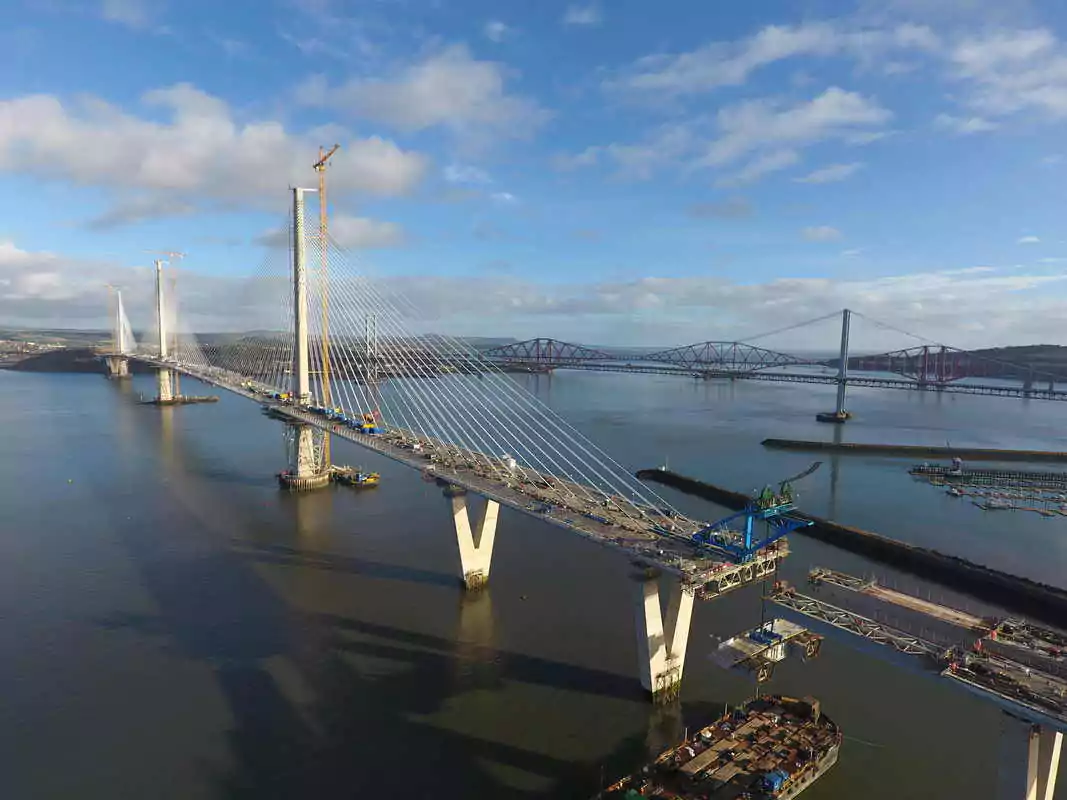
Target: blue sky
{"x":625,"y":171}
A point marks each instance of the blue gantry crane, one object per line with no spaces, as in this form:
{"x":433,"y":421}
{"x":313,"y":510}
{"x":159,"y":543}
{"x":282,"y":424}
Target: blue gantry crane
{"x":770,"y":507}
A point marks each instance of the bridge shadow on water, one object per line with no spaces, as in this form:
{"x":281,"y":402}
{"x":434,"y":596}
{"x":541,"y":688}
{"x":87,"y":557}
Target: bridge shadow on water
{"x":327,"y":705}
{"x":354,"y":732}
{"x":284,"y":555}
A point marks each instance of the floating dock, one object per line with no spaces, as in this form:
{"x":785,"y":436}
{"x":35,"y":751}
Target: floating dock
{"x":1022,"y":595}
{"x":917,"y":450}
{"x":1002,"y":478}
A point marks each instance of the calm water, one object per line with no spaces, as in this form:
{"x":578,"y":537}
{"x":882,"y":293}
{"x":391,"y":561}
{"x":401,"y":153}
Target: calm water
{"x":173,"y":626}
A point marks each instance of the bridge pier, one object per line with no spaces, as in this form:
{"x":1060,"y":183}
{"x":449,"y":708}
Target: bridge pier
{"x":305,"y":472}
{"x":164,"y":386}
{"x":1038,"y":747}
{"x":117,"y":366}
{"x":661,"y":643}
{"x":475,"y":545}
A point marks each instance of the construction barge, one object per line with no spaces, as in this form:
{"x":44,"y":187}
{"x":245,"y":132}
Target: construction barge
{"x":772,"y":747}
{"x":182,"y":400}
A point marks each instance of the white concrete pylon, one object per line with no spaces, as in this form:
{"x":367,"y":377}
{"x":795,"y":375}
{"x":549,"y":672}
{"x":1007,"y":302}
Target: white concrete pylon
{"x":475,"y":547}
{"x":661,"y":644}
{"x":1043,"y":762}
{"x":165,"y":383}
{"x":305,"y":462}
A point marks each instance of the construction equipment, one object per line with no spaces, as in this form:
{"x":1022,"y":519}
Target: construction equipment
{"x":769,"y":506}
{"x":320,"y":167}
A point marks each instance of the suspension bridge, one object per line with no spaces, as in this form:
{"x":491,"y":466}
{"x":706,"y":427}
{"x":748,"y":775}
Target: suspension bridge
{"x":346,"y":364}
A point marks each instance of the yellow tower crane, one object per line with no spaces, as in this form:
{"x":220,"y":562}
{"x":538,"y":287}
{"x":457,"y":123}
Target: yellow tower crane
{"x":320,"y":167}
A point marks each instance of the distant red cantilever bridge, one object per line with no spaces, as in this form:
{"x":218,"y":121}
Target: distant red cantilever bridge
{"x":935,"y":367}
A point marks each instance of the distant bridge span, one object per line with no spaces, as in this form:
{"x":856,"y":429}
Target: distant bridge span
{"x":941,"y":369}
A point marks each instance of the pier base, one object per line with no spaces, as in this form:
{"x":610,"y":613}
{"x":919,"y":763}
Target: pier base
{"x":304,"y":473}
{"x":117,"y":366}
{"x":475,"y":546}
{"x":833,"y":416}
{"x":165,"y":384}
{"x":661,"y":643}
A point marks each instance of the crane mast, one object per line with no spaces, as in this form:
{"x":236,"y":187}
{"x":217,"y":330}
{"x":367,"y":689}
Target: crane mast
{"x":320,"y":167}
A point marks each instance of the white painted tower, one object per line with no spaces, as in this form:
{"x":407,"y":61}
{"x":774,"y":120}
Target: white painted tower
{"x":305,"y":472}
{"x":164,"y":378}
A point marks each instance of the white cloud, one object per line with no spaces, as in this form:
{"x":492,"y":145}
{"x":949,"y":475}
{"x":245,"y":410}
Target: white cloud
{"x":507,"y":198}
{"x":832,"y":173}
{"x":199,"y":152}
{"x":356,"y":233}
{"x":448,"y":88}
{"x":855,"y":251}
{"x":733,"y":208}
{"x":821,"y":233}
{"x":963,"y":125}
{"x":137,"y":208}
{"x":1029,"y":240}
{"x":587,"y":158}
{"x":137,"y":14}
{"x":1053,"y":159}
{"x":719,"y":64}
{"x":765,"y":132}
{"x":1012,"y":71}
{"x":977,"y":306}
{"x":466,"y":174}
{"x":760,"y":166}
{"x":587,"y":15}
{"x":758,"y":124}
{"x":497,"y":31}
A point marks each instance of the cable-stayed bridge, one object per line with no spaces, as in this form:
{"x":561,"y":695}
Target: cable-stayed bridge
{"x":349,"y":366}
{"x":345,"y":363}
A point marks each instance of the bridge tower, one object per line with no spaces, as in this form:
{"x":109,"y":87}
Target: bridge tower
{"x":306,"y":470}
{"x":116,"y":363}
{"x":164,"y":377}
{"x":839,"y":414}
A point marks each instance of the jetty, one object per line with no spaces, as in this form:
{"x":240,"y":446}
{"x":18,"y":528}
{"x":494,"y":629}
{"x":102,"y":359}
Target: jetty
{"x":917,"y":450}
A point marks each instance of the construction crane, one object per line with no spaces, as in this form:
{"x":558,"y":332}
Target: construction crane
{"x":168,"y":253}
{"x":320,"y":167}
{"x":769,"y":506}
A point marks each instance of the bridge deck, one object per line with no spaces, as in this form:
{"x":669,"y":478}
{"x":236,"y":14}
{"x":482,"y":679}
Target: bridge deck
{"x":676,"y":553}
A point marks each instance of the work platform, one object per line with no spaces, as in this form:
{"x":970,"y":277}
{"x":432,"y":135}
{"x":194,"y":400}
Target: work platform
{"x":1017,"y":665}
